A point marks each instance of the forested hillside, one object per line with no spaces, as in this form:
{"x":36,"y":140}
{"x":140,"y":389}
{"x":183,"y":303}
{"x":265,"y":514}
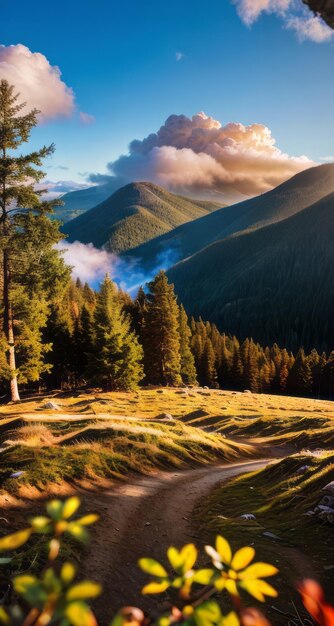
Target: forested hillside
{"x":282,"y":202}
{"x":274,"y":284}
{"x":134,"y":214}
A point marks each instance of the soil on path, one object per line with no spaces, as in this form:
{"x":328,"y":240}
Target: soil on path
{"x":143,"y":518}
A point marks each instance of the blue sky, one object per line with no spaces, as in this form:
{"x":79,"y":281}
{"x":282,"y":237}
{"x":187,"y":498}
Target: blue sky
{"x":120,"y":60}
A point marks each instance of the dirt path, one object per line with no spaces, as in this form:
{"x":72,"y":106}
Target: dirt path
{"x":142,"y":519}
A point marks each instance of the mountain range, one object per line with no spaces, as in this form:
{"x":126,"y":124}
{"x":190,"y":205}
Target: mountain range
{"x":278,"y":204}
{"x":261,"y":268}
{"x":136,"y":213}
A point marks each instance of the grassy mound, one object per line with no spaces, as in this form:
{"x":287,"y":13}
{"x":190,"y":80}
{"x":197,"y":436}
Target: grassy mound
{"x":279,"y":497}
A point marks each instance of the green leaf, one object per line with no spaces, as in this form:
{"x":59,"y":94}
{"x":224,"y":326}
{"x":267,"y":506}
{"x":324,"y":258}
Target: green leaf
{"x":40,"y":523}
{"x":55,"y":509}
{"x":67,"y":573}
{"x":79,"y":614}
{"x":84,"y":590}
{"x":203,"y":576}
{"x":78,"y":532}
{"x":152,"y":567}
{"x":208,"y":614}
{"x":71,"y":505}
{"x":16,"y":540}
{"x":5,"y":560}
{"x":31,"y":589}
{"x":156,"y":587}
{"x":87,"y":520}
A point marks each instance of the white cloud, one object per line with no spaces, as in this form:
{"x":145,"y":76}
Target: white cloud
{"x":179,"y":56}
{"x":327,"y":159}
{"x":250,"y":10}
{"x":312,"y":28}
{"x":38,"y":82}
{"x":295,"y":17}
{"x":87,"y":262}
{"x":199,"y":156}
{"x":86,"y":118}
{"x":55,"y":189}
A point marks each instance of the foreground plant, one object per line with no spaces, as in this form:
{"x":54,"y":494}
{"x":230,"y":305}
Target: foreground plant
{"x":55,"y":597}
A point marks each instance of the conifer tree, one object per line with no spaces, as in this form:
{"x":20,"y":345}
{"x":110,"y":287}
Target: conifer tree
{"x":188,"y":369}
{"x":300,"y":377}
{"x":115,"y":360}
{"x":237,"y":368}
{"x":161,"y":338}
{"x":27,"y":237}
{"x":208,"y":365}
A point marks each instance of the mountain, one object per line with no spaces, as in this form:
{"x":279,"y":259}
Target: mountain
{"x":134,"y":214}
{"x":77,"y":202}
{"x":274,"y":284}
{"x":278,"y":204}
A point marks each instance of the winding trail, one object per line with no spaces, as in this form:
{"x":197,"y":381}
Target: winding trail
{"x":143,"y":518}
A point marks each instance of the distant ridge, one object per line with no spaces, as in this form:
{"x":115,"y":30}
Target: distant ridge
{"x":133,"y":215}
{"x":278,"y":204}
{"x":274,"y":284}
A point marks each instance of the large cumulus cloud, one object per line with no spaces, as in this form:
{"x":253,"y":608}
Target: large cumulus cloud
{"x":38,"y":82}
{"x":200,"y":156}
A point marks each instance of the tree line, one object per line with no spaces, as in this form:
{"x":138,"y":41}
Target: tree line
{"x":58,"y":333}
{"x":110,"y":339}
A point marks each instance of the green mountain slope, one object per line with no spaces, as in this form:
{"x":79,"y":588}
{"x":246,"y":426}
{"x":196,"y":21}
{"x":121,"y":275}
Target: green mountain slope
{"x":274,"y":284}
{"x":134,"y":214}
{"x":287,"y":199}
{"x":77,"y":202}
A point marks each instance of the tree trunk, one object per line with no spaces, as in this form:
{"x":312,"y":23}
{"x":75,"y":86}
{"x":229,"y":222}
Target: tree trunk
{"x":9,"y":330}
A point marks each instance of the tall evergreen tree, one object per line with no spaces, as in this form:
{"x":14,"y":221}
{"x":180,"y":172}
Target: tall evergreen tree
{"x":208,"y":365}
{"x":161,"y":338}
{"x":115,"y":361}
{"x":300,"y":376}
{"x":27,"y":237}
{"x":188,"y":369}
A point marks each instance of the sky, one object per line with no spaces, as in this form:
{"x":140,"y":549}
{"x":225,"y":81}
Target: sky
{"x":126,"y":67}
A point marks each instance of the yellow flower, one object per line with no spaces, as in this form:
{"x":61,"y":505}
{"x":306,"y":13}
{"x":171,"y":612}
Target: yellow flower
{"x":235,"y":570}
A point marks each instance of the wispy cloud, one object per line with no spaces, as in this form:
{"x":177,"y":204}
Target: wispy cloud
{"x":312,"y":28}
{"x":327,"y":159}
{"x":86,"y":118}
{"x":294,"y":16}
{"x":179,"y":56}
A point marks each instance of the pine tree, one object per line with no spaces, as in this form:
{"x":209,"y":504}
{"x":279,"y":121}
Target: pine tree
{"x":30,"y":268}
{"x":160,"y":334}
{"x":251,"y":368}
{"x":237,"y":369}
{"x":115,"y":360}
{"x":82,"y":343}
{"x":208,"y":365}
{"x":188,"y":369}
{"x":300,"y":377}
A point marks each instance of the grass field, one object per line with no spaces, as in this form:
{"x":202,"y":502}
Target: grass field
{"x":96,"y":435}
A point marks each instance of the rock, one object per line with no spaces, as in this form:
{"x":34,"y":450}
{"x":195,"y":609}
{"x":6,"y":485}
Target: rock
{"x":205,"y":387}
{"x":247,"y":391}
{"x":160,"y":391}
{"x":248,"y":516}
{"x":17,"y":474}
{"x":167,"y":417}
{"x":270,"y":535}
{"x":147,"y":523}
{"x":303,"y":469}
{"x":51,"y":405}
{"x":329,"y":487}
{"x":327,"y":501}
{"x":182,"y":392}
